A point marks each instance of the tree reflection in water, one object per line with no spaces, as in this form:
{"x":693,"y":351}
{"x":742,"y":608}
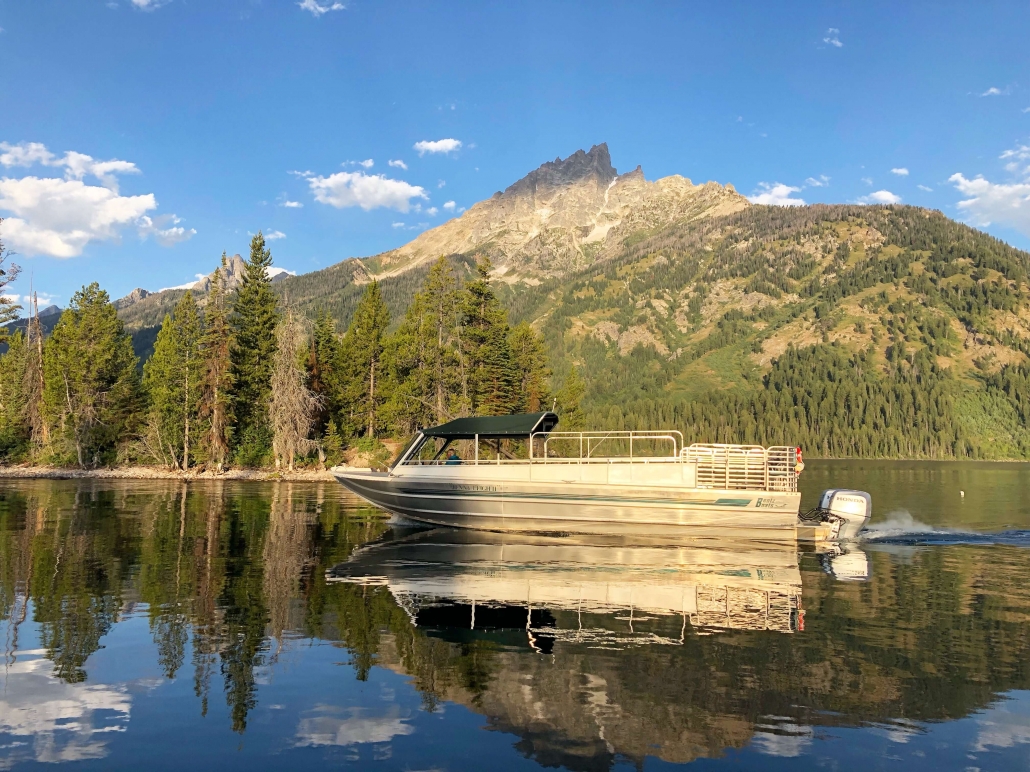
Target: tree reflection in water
{"x":231,"y":576}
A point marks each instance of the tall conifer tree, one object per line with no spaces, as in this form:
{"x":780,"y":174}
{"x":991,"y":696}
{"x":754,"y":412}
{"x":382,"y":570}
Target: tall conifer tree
{"x":363,"y":354}
{"x":14,"y":428}
{"x":425,"y":362}
{"x":216,"y":382}
{"x":172,"y":378}
{"x":254,"y":318}
{"x":488,"y":369}
{"x":322,"y":372}
{"x":8,"y":308}
{"x":92,"y":395}
{"x":530,"y":358}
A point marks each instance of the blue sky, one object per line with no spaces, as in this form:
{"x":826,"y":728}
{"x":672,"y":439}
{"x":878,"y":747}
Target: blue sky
{"x":232,"y":115}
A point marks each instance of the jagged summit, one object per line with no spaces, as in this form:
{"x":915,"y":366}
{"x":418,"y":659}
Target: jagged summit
{"x":561,"y":216}
{"x":595,"y":165}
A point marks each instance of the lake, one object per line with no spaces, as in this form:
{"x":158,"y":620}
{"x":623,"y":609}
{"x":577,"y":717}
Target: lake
{"x":258,"y":626}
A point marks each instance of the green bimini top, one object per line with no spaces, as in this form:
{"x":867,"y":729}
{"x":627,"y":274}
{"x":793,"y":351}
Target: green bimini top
{"x":494,"y":427}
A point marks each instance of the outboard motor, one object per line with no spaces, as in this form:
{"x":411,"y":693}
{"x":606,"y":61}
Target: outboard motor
{"x":848,"y":510}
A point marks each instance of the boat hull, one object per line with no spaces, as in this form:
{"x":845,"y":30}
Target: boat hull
{"x":500,"y":504}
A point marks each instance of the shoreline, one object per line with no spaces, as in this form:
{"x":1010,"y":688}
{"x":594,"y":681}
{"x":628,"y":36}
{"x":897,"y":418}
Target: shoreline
{"x":315,"y":475}
{"x":157,"y":473}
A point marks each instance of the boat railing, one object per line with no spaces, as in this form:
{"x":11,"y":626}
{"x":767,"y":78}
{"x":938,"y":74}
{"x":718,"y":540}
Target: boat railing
{"x":588,"y":446}
{"x":743,"y":467}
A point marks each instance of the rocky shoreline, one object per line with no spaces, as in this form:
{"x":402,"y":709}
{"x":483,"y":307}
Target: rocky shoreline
{"x":157,"y":473}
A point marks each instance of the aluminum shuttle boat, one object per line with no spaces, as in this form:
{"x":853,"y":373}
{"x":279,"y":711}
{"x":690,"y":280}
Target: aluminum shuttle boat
{"x":515,"y":473}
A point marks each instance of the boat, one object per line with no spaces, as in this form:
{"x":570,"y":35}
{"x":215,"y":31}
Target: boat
{"x":517,"y":473}
{"x":600,"y":590}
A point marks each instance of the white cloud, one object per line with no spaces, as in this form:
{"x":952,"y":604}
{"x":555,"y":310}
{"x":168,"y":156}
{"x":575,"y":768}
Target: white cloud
{"x":398,"y":164}
{"x":43,"y":299}
{"x":165,"y":229}
{"x":821,"y":182}
{"x":995,"y":91}
{"x":924,"y":188}
{"x":867,"y":180}
{"x":149,"y":5}
{"x":776,"y":194}
{"x":440,"y":184}
{"x":59,"y":217}
{"x":274,"y":235}
{"x":833,"y":38}
{"x":317,"y":9}
{"x":291,"y":204}
{"x":432,"y":211}
{"x":901,"y":171}
{"x":24,"y":154}
{"x":76,"y":165}
{"x":277,"y":270}
{"x":449,"y":206}
{"x":987,"y":202}
{"x":437,"y":146}
{"x":369,"y":191}
{"x":397,"y":225}
{"x":368,"y":163}
{"x":880,"y":197}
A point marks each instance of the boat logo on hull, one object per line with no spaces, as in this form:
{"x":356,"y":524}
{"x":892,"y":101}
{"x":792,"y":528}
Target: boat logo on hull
{"x":768,"y":503}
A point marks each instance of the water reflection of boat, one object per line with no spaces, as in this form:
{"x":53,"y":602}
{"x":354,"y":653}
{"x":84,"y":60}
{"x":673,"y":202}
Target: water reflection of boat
{"x":461,"y":580}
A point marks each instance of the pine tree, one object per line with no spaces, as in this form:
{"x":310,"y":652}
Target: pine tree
{"x":14,"y":428}
{"x":172,"y":378}
{"x":323,"y":378}
{"x":568,"y":401}
{"x":8,"y":308}
{"x":424,"y":359}
{"x":362,"y":353}
{"x":530,"y":360}
{"x":92,"y":394}
{"x":216,"y":383}
{"x":489,"y":377}
{"x":254,"y":318}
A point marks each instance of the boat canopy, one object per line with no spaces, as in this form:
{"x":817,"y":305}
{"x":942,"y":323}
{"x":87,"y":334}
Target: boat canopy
{"x":494,"y":427}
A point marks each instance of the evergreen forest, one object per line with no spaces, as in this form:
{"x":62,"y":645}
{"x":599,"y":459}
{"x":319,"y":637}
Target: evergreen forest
{"x":852,"y":331}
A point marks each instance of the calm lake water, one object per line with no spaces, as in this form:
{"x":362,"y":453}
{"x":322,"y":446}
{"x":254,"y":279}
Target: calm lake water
{"x":287,"y":626}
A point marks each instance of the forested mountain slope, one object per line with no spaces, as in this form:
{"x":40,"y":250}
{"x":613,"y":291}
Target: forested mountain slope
{"x":855,"y":330}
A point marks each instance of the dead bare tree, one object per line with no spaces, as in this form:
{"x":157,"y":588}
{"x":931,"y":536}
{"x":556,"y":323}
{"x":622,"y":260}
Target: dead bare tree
{"x":33,"y":380}
{"x":293,"y":404}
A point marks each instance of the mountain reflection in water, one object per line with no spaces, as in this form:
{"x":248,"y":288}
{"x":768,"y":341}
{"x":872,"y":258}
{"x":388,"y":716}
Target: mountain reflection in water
{"x":134,"y":615}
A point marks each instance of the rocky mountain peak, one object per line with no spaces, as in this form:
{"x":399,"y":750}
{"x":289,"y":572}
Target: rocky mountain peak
{"x":593,"y":165}
{"x":562,"y":216}
{"x":232,"y":275}
{"x":131,"y":299}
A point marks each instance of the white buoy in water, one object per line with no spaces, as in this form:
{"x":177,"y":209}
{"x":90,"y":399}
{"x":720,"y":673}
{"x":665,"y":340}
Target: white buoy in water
{"x":962,"y":494}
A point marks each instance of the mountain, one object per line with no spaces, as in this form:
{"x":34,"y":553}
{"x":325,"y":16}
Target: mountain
{"x":855,"y":330}
{"x":563,"y":216}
